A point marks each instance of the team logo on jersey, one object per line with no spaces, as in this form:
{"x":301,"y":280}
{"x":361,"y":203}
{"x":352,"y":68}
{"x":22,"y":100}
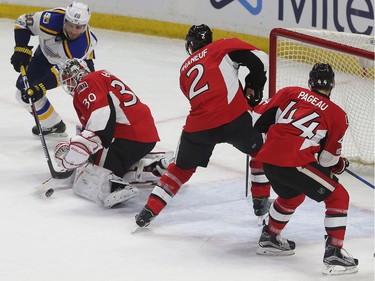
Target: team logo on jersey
{"x":82,"y":86}
{"x":46,"y":18}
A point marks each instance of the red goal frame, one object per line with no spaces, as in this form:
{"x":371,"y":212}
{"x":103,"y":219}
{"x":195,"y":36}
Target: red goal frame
{"x":286,"y":33}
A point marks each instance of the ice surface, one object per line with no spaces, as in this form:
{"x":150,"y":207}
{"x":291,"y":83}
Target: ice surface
{"x":208,"y":232}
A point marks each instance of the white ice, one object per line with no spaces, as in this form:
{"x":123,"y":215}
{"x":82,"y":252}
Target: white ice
{"x":208,"y":232}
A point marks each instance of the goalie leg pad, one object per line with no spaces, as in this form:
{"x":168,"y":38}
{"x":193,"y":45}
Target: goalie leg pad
{"x":95,"y":184}
{"x":150,"y":168}
{"x":122,"y":193}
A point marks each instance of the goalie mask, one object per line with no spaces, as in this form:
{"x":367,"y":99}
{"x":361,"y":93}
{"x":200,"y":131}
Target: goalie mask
{"x":322,"y":77}
{"x":197,"y":37}
{"x":71,"y":73}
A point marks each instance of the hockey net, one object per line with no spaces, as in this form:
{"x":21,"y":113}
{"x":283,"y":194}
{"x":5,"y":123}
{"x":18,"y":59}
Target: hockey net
{"x":293,"y":52}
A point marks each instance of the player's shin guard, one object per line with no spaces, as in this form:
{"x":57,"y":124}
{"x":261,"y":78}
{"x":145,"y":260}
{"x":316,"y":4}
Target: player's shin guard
{"x":167,"y":187}
{"x":260,"y":188}
{"x":336,"y":215}
{"x":281,"y":211}
{"x":46,"y":113}
{"x":336,"y":259}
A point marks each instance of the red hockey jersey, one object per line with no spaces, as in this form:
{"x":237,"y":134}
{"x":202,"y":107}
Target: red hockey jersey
{"x":303,"y":127}
{"x":101,"y":97}
{"x":209,"y":80}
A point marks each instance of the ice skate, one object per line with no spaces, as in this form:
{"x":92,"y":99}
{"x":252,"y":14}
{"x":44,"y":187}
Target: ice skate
{"x":261,"y":208}
{"x":144,"y":218}
{"x":274,"y":245}
{"x":56,"y":130}
{"x":338,"y":261}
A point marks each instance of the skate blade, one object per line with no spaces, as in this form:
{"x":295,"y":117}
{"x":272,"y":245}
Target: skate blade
{"x":138,"y":229}
{"x":273,"y":252}
{"x":263,"y":220}
{"x":339,"y":270}
{"x":54,"y":135}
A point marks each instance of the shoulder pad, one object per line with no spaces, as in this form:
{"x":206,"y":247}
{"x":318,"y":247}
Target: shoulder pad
{"x":51,"y":22}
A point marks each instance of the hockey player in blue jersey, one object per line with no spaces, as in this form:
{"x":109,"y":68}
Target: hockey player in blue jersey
{"x":63,"y":34}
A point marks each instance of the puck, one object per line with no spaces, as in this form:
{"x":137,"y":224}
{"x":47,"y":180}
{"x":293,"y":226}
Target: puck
{"x":49,"y":192}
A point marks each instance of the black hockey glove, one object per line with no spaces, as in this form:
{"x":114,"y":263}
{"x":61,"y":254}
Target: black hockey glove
{"x":339,"y":168}
{"x":21,"y":56}
{"x":253,"y":91}
{"x":36,"y":92}
{"x":253,"y":97}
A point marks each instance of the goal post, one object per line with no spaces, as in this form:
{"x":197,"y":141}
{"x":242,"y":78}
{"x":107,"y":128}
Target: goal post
{"x":294,"y":51}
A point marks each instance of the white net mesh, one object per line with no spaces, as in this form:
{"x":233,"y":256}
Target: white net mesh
{"x":354,"y":76}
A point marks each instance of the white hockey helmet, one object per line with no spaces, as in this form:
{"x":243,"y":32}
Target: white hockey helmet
{"x":78,"y":13}
{"x":71,"y":73}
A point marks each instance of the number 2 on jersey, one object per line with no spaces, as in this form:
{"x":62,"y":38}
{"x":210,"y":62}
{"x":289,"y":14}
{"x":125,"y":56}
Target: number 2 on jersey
{"x":193,"y":92}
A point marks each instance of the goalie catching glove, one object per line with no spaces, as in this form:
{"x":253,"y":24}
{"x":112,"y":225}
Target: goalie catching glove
{"x":339,"y":168}
{"x":76,"y":153}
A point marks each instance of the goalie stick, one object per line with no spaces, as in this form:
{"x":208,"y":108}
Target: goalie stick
{"x":360,"y":178}
{"x":55,"y":174}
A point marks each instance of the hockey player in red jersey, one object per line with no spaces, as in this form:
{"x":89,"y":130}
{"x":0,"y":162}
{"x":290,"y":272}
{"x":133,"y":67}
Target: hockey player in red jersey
{"x":63,"y":33}
{"x":118,"y":131}
{"x":300,"y":156}
{"x":220,"y":113}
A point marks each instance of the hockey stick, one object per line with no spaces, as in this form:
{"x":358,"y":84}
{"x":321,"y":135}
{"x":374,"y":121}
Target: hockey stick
{"x":247,"y":175}
{"x":360,"y":178}
{"x":55,"y":174}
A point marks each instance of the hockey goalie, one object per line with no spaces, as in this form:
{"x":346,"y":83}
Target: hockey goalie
{"x":111,"y":154}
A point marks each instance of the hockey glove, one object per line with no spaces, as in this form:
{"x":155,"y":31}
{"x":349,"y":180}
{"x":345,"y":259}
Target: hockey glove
{"x":61,"y":150}
{"x":254,"y":97}
{"x":76,"y":153}
{"x":253,"y":90}
{"x":35,"y":92}
{"x":70,"y":156}
{"x":339,"y":168}
{"x":21,"y":56}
